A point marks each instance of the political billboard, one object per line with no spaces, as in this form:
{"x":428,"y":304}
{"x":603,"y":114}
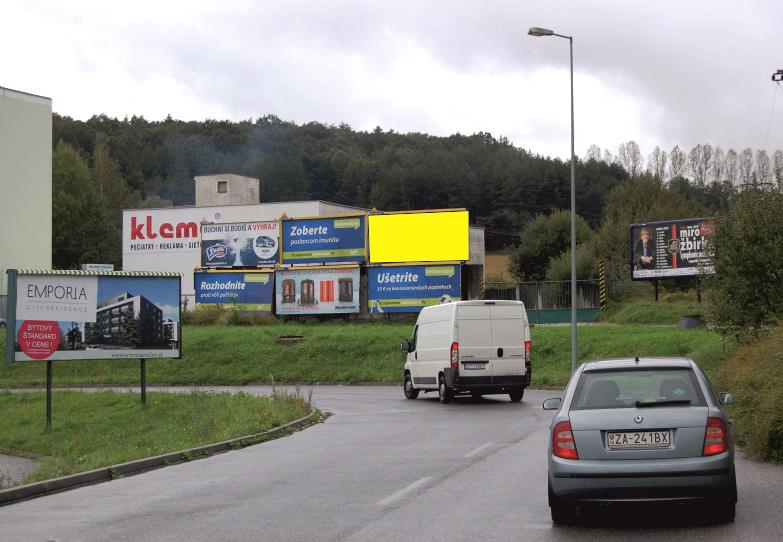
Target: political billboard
{"x":324,"y":240}
{"x":240,"y":244}
{"x":671,"y":248}
{"x":408,"y":288}
{"x":250,"y":291}
{"x":321,"y":290}
{"x":70,"y":315}
{"x":419,"y":237}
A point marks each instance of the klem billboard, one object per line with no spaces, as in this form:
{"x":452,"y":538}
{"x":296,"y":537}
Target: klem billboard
{"x":419,"y":237}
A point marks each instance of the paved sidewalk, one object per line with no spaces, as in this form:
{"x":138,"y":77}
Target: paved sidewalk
{"x":13,"y":469}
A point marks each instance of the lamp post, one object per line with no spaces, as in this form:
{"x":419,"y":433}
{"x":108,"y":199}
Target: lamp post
{"x":539,"y":32}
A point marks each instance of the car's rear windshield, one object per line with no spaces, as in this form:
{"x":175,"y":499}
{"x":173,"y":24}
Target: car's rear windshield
{"x":632,"y":388}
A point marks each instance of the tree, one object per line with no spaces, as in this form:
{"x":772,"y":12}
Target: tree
{"x":717,"y":165}
{"x":544,"y":238}
{"x":744,"y":294}
{"x":777,"y":168}
{"x":763,"y":167}
{"x":676,"y":162}
{"x":656,"y":163}
{"x":731,"y":167}
{"x":559,"y":268}
{"x":81,"y":231}
{"x":745,"y":167}
{"x":630,"y":157}
{"x":699,"y":160}
{"x":593,"y":153}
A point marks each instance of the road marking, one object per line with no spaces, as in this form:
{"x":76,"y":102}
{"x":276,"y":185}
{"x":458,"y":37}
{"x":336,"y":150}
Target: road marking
{"x":397,"y":495}
{"x":479,"y":449}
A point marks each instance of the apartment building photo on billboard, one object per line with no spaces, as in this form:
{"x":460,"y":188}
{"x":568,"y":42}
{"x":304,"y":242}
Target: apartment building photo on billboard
{"x":128,"y":320}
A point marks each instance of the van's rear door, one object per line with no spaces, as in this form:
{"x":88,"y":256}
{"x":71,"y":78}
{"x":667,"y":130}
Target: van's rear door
{"x":509,"y":333}
{"x":474,"y":335}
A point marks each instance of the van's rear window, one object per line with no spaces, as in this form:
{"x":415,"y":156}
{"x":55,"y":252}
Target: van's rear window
{"x":634,"y":387}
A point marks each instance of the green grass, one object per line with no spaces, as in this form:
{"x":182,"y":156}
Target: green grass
{"x":350,"y":352}
{"x":667,"y":311}
{"x":93,"y":430}
{"x":754,"y":374}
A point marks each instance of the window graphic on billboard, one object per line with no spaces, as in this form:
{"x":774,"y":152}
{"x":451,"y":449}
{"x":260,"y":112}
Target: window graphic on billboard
{"x":323,"y":290}
{"x":324,"y":240}
{"x":240,"y":244}
{"x":408,"y":288}
{"x":248,"y":291}
{"x":95,"y":316}
{"x":671,"y":249}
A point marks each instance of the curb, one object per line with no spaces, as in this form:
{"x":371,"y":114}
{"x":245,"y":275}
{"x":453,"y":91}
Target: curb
{"x":38,"y":489}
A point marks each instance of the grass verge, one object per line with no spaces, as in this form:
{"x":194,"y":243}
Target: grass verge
{"x":351,"y":352}
{"x":638,"y":310}
{"x":93,"y":430}
{"x":755,"y":376}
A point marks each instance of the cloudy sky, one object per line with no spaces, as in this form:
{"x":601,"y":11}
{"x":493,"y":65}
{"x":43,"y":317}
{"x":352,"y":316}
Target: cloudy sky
{"x":659,"y":72}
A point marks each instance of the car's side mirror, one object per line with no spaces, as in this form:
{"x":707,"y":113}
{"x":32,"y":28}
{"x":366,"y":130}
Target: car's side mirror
{"x":726,"y":398}
{"x":405,"y":346}
{"x":553,"y":403}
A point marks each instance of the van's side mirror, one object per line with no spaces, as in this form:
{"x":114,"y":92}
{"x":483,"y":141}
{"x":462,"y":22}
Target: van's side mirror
{"x":405,"y":346}
{"x":726,"y":398}
{"x":553,"y":403}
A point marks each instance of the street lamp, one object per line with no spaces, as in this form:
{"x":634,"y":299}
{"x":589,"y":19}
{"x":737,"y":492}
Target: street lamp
{"x":538,"y":32}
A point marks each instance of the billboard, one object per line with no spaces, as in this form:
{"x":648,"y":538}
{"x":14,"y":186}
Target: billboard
{"x":324,"y":240}
{"x":240,"y":244}
{"x":419,"y":237}
{"x":321,"y":290}
{"x":671,"y":249}
{"x":84,"y":315}
{"x":408,"y":288}
{"x":248,"y":291}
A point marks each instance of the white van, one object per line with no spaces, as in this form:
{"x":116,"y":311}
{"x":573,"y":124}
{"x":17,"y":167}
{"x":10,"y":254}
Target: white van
{"x":476,"y":347}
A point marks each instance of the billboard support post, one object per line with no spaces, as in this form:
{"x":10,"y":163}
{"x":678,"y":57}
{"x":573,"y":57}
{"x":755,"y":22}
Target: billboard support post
{"x":656,"y":290}
{"x":143,"y":364}
{"x":48,"y":395}
{"x":698,"y":290}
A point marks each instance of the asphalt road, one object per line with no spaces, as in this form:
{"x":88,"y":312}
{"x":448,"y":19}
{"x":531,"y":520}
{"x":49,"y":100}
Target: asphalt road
{"x":379,"y":468}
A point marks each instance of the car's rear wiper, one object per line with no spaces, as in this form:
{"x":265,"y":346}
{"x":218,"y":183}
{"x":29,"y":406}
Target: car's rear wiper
{"x":663,"y":403}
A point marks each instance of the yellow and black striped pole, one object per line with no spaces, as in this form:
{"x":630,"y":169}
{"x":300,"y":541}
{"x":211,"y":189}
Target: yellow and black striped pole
{"x":601,"y":284}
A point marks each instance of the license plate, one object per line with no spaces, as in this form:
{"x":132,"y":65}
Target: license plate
{"x":473,"y":365}
{"x":630,"y":440}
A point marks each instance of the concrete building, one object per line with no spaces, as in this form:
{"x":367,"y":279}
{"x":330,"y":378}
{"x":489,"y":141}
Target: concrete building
{"x":226,"y":189}
{"x":25,"y":184}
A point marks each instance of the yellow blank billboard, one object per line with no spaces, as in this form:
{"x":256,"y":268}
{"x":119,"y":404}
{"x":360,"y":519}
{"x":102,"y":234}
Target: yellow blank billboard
{"x":419,"y":237}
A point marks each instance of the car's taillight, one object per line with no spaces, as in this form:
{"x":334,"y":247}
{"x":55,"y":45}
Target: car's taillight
{"x":528,"y":346}
{"x":455,"y":355}
{"x":563,"y":444}
{"x":716,"y":437}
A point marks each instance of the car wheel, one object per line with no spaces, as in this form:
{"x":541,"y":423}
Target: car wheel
{"x":410,"y":392}
{"x":723,"y":511}
{"x":562,"y":514}
{"x":516,"y":395}
{"x":444,"y":393}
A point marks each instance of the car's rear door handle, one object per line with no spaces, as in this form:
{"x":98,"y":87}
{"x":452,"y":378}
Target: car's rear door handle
{"x":500,"y":352}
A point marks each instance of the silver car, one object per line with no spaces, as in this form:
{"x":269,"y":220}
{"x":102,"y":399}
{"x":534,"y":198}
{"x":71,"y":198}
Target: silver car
{"x":636,"y":430}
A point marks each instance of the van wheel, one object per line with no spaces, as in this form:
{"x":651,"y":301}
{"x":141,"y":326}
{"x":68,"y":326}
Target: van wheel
{"x":444,"y":393}
{"x":516,"y":395}
{"x":410,"y":392}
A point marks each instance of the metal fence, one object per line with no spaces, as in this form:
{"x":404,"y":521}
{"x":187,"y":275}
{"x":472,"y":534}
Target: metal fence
{"x":546,"y":295}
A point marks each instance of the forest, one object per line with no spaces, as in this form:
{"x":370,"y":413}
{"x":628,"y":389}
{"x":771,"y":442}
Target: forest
{"x":103,"y":165}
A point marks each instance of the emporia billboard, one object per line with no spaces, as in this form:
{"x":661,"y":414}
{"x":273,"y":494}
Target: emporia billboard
{"x":86,"y":315}
{"x":671,"y":248}
{"x":419,"y":237}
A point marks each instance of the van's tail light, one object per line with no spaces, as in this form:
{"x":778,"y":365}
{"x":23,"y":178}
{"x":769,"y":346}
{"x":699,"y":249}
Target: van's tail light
{"x":563,"y":444}
{"x":455,"y":355}
{"x":716,"y":437}
{"x":528,"y":346}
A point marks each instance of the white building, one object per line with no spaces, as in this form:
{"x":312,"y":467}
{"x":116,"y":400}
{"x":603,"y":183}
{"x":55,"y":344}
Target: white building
{"x":25,"y":184}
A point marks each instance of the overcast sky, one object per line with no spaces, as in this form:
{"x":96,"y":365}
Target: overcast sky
{"x":659,"y":72}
